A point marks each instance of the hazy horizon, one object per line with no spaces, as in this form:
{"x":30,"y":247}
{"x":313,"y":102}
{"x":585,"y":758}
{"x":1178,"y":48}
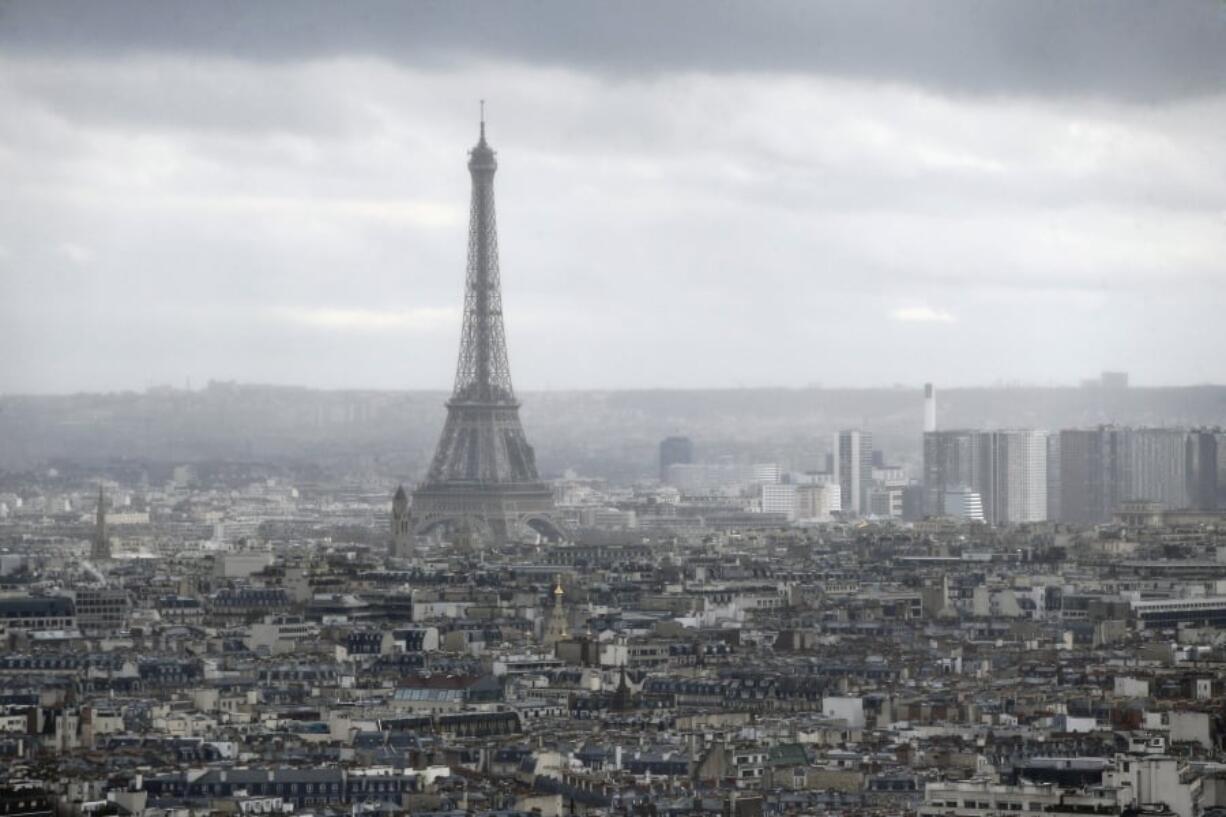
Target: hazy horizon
{"x":445,"y":390}
{"x":853,"y":195}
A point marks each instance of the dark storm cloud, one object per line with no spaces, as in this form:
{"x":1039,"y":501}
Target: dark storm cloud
{"x":1139,"y":50}
{"x":277,"y":192}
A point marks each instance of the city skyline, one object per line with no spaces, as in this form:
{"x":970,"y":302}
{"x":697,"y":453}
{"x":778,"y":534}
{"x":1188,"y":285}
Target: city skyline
{"x":231,"y":199}
{"x":744,"y":535}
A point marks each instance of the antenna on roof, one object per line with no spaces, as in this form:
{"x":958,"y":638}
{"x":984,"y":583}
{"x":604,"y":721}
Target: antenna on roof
{"x":483,"y":120}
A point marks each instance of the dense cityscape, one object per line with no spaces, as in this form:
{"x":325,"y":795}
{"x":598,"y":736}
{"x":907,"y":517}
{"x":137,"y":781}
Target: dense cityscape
{"x":913,"y":601}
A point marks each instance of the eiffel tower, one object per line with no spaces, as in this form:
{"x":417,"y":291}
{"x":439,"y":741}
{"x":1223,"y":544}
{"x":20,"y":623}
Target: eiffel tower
{"x":483,"y":481}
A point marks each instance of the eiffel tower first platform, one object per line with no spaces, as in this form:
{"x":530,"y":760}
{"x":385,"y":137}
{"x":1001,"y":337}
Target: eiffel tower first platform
{"x":483,"y":476}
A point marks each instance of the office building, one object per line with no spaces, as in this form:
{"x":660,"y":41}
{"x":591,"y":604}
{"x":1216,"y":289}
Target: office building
{"x":949,"y":462}
{"x":1013,"y":476}
{"x":1207,"y":611}
{"x":704,"y":477}
{"x":1007,"y":469}
{"x":1203,"y":458}
{"x":1158,"y":466}
{"x":765,"y":472}
{"x":1090,"y":470}
{"x":779,"y":498}
{"x":1098,"y":469}
{"x":886,"y":501}
{"x":963,"y":503}
{"x":675,"y":451}
{"x":853,"y":469}
{"x":100,"y":609}
{"x":818,"y":501}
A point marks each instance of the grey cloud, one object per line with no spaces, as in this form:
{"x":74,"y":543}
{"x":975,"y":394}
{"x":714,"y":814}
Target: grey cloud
{"x":1127,"y":49}
{"x":178,"y":205}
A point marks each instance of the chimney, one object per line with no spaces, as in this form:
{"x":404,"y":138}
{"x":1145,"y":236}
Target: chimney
{"x":930,"y":407}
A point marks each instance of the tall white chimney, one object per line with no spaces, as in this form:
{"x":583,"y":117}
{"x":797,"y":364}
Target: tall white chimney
{"x":930,"y":407}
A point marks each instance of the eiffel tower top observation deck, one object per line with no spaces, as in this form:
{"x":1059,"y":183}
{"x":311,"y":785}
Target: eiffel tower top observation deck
{"x":483,"y":474}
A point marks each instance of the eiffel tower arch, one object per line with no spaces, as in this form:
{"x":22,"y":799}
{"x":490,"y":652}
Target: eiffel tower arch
{"x":483,"y":475}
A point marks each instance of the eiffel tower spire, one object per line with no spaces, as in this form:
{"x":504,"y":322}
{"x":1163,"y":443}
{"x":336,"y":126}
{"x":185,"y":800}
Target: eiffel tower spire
{"x":483,"y":473}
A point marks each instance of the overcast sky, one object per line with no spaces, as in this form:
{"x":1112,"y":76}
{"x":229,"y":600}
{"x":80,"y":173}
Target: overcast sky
{"x":689,"y":193}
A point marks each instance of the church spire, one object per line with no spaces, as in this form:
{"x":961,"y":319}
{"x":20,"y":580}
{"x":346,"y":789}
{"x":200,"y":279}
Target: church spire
{"x":402,"y":526}
{"x":556,"y":627}
{"x":100,"y":548}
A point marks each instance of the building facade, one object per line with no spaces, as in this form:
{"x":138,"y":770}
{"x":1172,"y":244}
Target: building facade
{"x":1006,"y":468}
{"x":675,"y":451}
{"x":853,"y":469}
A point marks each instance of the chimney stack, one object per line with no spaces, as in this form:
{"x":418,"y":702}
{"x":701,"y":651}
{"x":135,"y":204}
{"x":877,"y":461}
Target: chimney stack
{"x":930,"y":407}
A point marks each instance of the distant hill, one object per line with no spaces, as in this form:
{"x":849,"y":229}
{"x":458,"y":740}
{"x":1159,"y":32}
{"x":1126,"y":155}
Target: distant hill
{"x":597,"y":433}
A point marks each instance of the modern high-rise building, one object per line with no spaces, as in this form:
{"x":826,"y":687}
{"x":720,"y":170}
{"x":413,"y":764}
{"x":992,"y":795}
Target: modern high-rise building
{"x":1158,"y":466}
{"x":950,"y":459}
{"x":1203,"y":457}
{"x":853,"y":469}
{"x":1100,"y":468}
{"x":1018,"y":477}
{"x":1092,"y":470}
{"x":675,"y":451}
{"x":1054,"y":496}
{"x":483,"y":478}
{"x":1007,"y":469}
{"x":1221,"y":467}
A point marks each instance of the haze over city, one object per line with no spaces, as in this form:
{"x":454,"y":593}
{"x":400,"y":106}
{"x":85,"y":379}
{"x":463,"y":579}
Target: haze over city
{"x":690,"y":194}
